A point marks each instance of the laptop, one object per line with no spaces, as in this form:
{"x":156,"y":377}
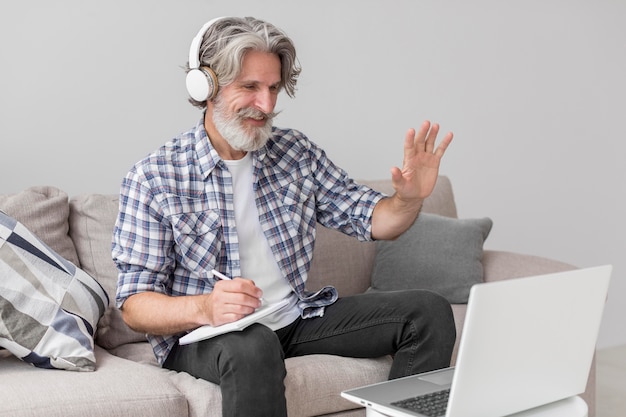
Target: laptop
{"x":526,"y":343}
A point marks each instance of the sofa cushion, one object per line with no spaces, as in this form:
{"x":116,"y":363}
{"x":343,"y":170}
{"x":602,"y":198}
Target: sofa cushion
{"x":437,"y":253}
{"x":349,"y":269}
{"x":49,"y":308}
{"x":118,"y":388}
{"x":313,"y":385}
{"x":314,"y":382}
{"x":341,"y":261}
{"x":44,"y":211}
{"x":92,"y":218}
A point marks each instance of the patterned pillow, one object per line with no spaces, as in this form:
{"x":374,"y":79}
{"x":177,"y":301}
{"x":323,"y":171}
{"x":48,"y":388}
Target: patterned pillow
{"x":49,"y":308}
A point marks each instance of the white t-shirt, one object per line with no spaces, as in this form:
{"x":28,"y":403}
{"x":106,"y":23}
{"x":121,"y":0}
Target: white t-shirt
{"x":256,"y":257}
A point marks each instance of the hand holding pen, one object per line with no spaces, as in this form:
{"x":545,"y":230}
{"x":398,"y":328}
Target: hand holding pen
{"x":233,"y":299}
{"x":224,"y":277}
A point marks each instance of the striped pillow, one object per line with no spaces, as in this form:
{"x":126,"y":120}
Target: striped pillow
{"x":49,"y":308}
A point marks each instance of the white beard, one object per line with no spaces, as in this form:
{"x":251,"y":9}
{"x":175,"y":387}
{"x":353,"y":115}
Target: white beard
{"x":232,"y":129}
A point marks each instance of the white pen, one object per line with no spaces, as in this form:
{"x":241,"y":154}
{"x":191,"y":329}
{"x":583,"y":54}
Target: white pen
{"x":222,"y":276}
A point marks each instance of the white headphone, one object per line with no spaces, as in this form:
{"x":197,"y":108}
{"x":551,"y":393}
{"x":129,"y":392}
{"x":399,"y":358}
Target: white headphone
{"x":201,"y":81}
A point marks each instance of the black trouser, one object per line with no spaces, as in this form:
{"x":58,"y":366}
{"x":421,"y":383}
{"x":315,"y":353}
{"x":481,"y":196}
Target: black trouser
{"x":416,"y":327}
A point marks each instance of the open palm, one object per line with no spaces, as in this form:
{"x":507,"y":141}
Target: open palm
{"x":420,"y":167}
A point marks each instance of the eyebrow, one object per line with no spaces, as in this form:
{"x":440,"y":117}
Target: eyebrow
{"x":254,"y":82}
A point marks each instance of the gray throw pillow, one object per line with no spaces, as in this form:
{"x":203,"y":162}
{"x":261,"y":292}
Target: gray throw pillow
{"x":437,"y":253}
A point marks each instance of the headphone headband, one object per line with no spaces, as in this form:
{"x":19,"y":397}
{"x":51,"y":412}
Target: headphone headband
{"x":196,"y":43}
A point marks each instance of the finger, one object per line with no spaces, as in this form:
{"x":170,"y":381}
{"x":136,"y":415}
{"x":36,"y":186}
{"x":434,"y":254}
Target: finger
{"x":422,"y":134}
{"x":240,"y":309}
{"x":240,"y":305}
{"x":396,"y":178}
{"x":409,"y":146}
{"x":249,"y":288}
{"x":239,"y":291}
{"x":431,"y":138}
{"x":396,"y":174}
{"x":441,"y":149}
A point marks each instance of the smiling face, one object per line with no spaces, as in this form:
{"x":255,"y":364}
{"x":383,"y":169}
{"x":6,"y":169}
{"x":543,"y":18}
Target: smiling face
{"x":239,"y":119}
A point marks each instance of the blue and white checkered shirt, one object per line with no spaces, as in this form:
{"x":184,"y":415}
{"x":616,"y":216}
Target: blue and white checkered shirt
{"x":176,"y":219}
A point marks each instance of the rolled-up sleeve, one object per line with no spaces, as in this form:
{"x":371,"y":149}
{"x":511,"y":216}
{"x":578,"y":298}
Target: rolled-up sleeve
{"x":142,"y":242}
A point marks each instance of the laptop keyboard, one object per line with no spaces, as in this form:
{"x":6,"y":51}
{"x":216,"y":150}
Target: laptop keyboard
{"x":433,"y":404}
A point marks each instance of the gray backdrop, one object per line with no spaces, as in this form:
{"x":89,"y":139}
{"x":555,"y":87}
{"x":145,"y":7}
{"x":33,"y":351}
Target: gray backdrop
{"x":534,"y":91}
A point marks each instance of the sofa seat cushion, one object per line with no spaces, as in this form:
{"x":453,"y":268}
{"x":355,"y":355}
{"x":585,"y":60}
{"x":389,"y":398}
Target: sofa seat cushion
{"x":313,"y":383}
{"x":140,"y":352}
{"x":117,"y":388}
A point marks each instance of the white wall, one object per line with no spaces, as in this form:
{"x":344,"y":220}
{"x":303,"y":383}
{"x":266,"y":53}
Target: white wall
{"x":533,"y":90}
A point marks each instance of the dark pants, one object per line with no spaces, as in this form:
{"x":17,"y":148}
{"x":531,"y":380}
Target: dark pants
{"x":416,"y":327}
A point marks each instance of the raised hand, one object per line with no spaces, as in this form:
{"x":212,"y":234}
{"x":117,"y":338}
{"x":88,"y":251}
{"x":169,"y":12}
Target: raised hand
{"x":420,"y":167}
{"x":412,"y":184}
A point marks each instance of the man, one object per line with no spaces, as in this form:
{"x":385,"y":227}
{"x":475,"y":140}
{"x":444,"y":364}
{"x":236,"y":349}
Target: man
{"x":240,"y":196}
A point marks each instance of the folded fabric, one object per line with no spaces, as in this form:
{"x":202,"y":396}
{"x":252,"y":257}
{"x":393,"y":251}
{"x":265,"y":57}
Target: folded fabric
{"x":49,"y":308}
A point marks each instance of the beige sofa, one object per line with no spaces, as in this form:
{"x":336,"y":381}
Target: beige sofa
{"x":128,"y":382}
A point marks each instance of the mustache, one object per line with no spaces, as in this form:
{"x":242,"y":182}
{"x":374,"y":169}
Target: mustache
{"x":256,"y":114}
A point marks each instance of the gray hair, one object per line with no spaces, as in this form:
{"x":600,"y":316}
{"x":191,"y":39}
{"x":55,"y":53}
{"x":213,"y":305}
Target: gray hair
{"x":228,"y":40}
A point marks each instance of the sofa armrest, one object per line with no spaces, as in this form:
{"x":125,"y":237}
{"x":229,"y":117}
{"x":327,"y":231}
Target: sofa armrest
{"x":500,"y":265}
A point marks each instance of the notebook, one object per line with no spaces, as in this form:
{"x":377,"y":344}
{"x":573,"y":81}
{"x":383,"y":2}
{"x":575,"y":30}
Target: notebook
{"x":206,"y":332}
{"x":526,"y":343}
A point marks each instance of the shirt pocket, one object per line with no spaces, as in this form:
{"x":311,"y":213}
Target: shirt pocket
{"x":195,"y":224}
{"x":298,"y":202}
{"x":197,"y":233}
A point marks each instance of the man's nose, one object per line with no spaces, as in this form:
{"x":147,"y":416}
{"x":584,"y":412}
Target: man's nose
{"x":265,"y":101}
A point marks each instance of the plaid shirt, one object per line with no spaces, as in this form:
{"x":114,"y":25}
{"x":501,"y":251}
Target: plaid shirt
{"x":176,"y":219}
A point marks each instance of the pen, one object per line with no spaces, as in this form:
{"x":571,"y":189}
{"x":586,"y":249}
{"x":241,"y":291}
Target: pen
{"x":222,"y":276}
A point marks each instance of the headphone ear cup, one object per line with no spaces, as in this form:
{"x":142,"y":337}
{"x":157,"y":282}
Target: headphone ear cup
{"x":201,"y":84}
